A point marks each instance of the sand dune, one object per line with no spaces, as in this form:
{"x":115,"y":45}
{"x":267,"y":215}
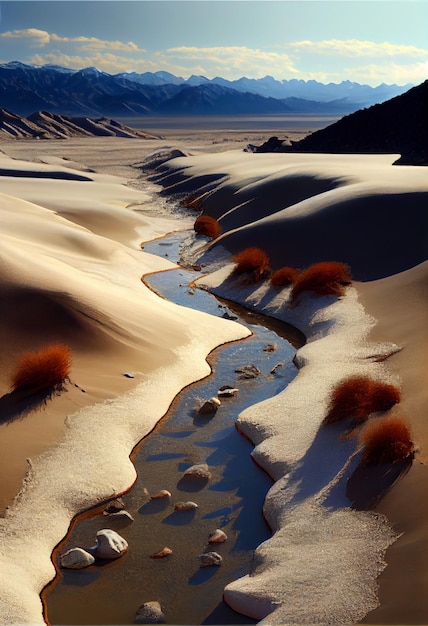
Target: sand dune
{"x":266,"y":201}
{"x":363,"y":211}
{"x":62,"y":282}
{"x":71,"y":268}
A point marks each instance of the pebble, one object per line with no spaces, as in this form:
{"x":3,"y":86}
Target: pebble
{"x":185,"y":506}
{"x":162,"y":553}
{"x":210,"y":558}
{"x":163,"y":493}
{"x":218,"y":536}
{"x":200,"y":470}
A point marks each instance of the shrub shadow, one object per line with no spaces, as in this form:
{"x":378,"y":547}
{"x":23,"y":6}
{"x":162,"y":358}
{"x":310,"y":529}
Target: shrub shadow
{"x":369,"y":484}
{"x":19,"y":403}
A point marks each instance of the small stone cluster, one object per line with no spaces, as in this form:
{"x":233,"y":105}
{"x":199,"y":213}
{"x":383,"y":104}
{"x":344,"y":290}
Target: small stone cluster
{"x":110,"y":545}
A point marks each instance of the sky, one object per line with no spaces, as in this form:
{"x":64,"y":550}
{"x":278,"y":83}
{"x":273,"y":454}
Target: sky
{"x":365,"y":41}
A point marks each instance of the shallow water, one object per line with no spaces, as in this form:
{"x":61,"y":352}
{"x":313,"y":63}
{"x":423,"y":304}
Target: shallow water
{"x":231,"y":500}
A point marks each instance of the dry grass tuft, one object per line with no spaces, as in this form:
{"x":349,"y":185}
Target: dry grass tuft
{"x":327,"y":278}
{"x":284,"y":276}
{"x":252,"y":261}
{"x":359,"y":396}
{"x":387,"y":441}
{"x":193,"y":201}
{"x":208,"y":226}
{"x":45,"y":370}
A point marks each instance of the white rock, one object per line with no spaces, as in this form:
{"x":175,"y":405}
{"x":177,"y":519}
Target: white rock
{"x":185,"y":506}
{"x":76,"y":558}
{"x":227,"y":392}
{"x":110,"y":545}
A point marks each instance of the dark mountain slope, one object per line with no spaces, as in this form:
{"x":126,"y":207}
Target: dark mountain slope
{"x":218,"y":100}
{"x":399,"y":125}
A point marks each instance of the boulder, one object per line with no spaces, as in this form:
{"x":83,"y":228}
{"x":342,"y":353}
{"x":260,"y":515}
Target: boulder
{"x":76,"y":558}
{"x":110,"y":545}
{"x":150,"y":613}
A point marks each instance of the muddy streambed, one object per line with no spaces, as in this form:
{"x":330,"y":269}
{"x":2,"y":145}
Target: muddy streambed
{"x":231,"y":500}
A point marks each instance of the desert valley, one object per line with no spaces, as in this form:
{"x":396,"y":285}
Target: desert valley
{"x":321,"y":229}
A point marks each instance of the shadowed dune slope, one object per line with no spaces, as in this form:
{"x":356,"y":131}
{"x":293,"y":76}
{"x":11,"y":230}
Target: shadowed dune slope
{"x":306,"y":208}
{"x":374,"y":221}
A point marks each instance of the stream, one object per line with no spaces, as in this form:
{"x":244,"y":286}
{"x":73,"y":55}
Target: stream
{"x":231,"y":500}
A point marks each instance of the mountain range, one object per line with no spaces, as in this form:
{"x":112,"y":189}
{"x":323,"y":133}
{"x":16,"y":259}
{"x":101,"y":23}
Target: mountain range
{"x":25,"y":89}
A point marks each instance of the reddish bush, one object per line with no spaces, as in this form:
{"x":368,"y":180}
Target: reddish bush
{"x":208,"y":226}
{"x":357,"y":397}
{"x":46,"y":370}
{"x":386,"y":441}
{"x":324,"y":279}
{"x":284,"y":276}
{"x":252,"y":260}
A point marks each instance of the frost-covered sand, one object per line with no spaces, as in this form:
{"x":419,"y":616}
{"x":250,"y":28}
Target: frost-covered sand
{"x":70,"y":254}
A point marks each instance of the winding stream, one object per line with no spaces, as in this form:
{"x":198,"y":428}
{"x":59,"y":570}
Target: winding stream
{"x":231,"y":500}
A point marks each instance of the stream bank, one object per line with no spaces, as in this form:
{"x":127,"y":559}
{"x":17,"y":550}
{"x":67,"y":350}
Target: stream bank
{"x":231,"y":500}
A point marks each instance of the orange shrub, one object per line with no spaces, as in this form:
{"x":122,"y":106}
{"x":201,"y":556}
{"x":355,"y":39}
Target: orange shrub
{"x":325,"y":279}
{"x":386,"y":441}
{"x":208,"y":226}
{"x":359,"y":396}
{"x":46,"y":370}
{"x":284,"y":276}
{"x":252,"y":260}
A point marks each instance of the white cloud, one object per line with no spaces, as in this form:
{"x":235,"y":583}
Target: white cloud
{"x":105,"y":61}
{"x":41,"y":38}
{"x":38,"y":38}
{"x":326,"y":61}
{"x":356,"y":48}
{"x":232,"y":61}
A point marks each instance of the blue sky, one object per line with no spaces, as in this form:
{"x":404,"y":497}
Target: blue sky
{"x":369,"y":42}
